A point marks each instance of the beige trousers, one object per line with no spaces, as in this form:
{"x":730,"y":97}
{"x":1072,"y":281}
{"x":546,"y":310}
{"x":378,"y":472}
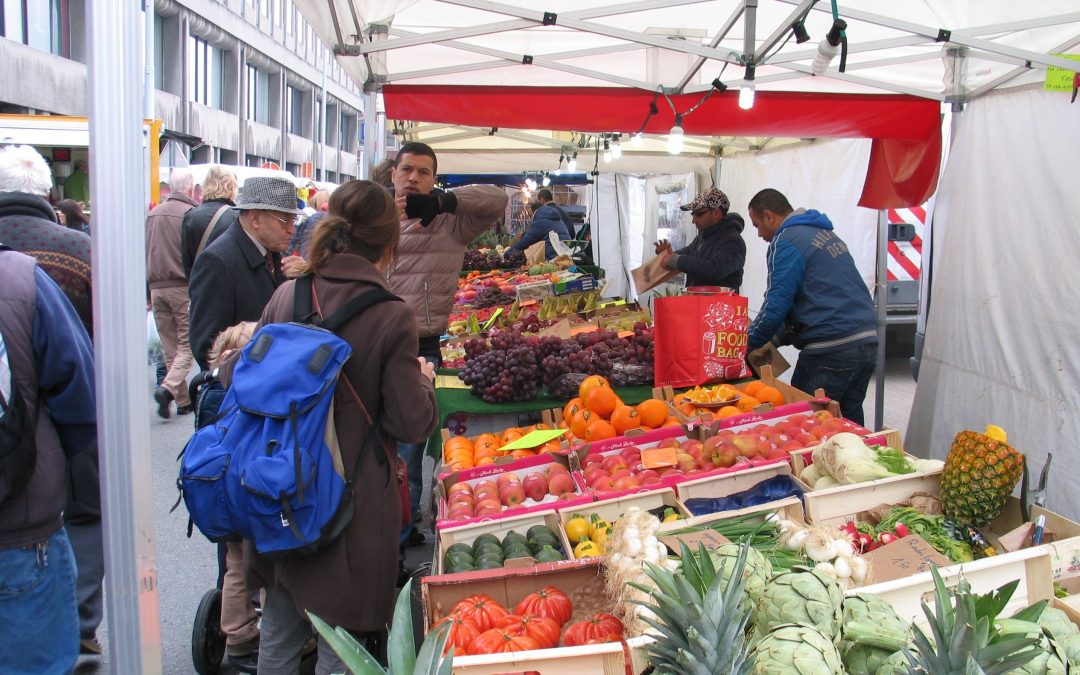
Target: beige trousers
{"x":171,"y":316}
{"x":238,"y":618}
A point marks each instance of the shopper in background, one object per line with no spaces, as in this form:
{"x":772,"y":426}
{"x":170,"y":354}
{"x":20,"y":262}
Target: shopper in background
{"x":77,"y":185}
{"x":436,"y":227}
{"x":47,"y":363}
{"x":219,"y":195}
{"x":234,"y":277}
{"x":547,"y":217}
{"x":817,"y":301}
{"x":717,"y":254}
{"x":169,"y":289}
{"x":298,"y":245}
{"x":350,"y":583}
{"x":64,"y":255}
{"x":72,"y":216}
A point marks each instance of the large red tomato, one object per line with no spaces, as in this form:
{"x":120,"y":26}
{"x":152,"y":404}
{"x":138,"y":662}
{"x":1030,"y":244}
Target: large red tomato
{"x":597,"y":628}
{"x":543,"y":629}
{"x":498,"y":640}
{"x":481,"y":610}
{"x":462,"y":632}
{"x":548,"y":601}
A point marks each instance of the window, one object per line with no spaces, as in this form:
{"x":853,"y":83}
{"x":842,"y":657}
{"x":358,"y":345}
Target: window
{"x":346,"y":132}
{"x":159,"y":56}
{"x":290,"y":13}
{"x":294,"y":110}
{"x":257,"y":105}
{"x":206,"y":65}
{"x":41,"y":24}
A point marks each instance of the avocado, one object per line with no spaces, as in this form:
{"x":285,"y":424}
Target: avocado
{"x":460,"y":548}
{"x":548,"y":554}
{"x":536,"y":530}
{"x":488,"y":562}
{"x":512,"y":538}
{"x":486,"y":537}
{"x":458,"y":568}
{"x":488,"y":548}
{"x":518,"y":551}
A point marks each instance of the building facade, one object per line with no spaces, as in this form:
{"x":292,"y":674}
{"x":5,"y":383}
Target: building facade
{"x":246,"y":77}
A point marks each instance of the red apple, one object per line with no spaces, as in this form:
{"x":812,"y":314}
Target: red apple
{"x":668,"y":443}
{"x":775,"y":452}
{"x":614,"y":462}
{"x":512,"y":495}
{"x":631,"y":456}
{"x":462,"y":498}
{"x":536,"y":486}
{"x":555,"y":468}
{"x":488,"y":506}
{"x":459,"y":487}
{"x":686,"y":462}
{"x":650,"y":480}
{"x":627,"y":483}
{"x":619,"y":473}
{"x":706,"y":465}
{"x":791,"y":446}
{"x":592,"y":458}
{"x":507,"y":479}
{"x":602,"y":484}
{"x":567,"y":496}
{"x":560,"y":483}
{"x":647,"y":474}
{"x":747,"y":446}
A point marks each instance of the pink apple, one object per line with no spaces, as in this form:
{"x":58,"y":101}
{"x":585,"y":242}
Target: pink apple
{"x":686,"y":462}
{"x":567,"y":496}
{"x":668,"y":443}
{"x":459,"y":487}
{"x":602,"y":484}
{"x":512,"y":495}
{"x":627,"y":483}
{"x":614,"y":462}
{"x":536,"y":486}
{"x":462,"y":498}
{"x":650,"y":480}
{"x":631,"y":456}
{"x":555,"y":468}
{"x":592,"y":458}
{"x":507,"y":479}
{"x":619,"y":473}
{"x":560,"y":483}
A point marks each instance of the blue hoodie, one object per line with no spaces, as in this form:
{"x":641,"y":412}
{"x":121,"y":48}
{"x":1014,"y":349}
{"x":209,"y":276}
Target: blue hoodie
{"x":546,"y":219}
{"x":815,"y":292}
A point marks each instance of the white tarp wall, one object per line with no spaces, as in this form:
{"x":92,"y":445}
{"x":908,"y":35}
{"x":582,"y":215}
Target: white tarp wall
{"x":624,"y":213}
{"x":1001,"y":344}
{"x":827,"y":176}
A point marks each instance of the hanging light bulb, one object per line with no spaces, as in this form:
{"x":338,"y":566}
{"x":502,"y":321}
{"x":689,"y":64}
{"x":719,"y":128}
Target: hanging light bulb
{"x":558,"y":169}
{"x":546,"y":181}
{"x":746,"y":96}
{"x":571,"y":166}
{"x":616,"y":148}
{"x":637,"y":139}
{"x":675,"y":137}
{"x":607,"y":151}
{"x":530,"y":183}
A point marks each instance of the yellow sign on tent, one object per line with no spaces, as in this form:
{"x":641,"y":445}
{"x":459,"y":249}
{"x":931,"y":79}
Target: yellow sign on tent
{"x":1059,"y":79}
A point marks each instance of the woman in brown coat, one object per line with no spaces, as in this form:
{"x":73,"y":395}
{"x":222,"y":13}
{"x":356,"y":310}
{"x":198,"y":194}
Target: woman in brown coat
{"x":352,"y":582}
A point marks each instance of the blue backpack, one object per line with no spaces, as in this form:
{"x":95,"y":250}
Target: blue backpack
{"x":268,"y":469}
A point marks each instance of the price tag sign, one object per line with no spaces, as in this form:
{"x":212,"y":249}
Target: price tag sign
{"x":491,"y":321}
{"x":902,"y":558}
{"x":655,"y":458}
{"x":711,"y":539}
{"x":1059,"y":79}
{"x":534,"y":439}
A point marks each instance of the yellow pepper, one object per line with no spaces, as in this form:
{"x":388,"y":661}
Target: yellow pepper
{"x":598,"y":524}
{"x":670,"y":515}
{"x":600,"y":537}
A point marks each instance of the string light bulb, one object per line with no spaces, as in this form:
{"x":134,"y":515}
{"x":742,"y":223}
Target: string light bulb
{"x":746,"y":96}
{"x":616,"y":148}
{"x":675,"y":137}
{"x":607,"y":151}
{"x":637,"y":139}
{"x":571,"y":166}
{"x":547,"y":180}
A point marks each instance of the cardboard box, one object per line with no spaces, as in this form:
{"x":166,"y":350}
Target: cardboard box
{"x":1062,"y":535}
{"x":582,"y":580}
{"x":467,"y":534}
{"x":579,"y":285}
{"x":492,"y":472}
{"x":725,"y":485}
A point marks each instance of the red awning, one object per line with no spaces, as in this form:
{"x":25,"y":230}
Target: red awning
{"x":906,"y":130}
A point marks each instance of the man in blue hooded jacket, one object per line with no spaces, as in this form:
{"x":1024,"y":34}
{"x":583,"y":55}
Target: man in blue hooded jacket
{"x":547,"y":218}
{"x":817,"y":301}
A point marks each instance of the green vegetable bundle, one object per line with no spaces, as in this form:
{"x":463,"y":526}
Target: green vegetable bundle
{"x":930,"y":528}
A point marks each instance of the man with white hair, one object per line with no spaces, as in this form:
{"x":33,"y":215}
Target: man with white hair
{"x":169,"y":289}
{"x":28,"y":225}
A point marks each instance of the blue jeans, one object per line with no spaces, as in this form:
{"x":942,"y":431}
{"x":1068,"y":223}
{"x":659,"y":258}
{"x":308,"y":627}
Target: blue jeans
{"x":38,"y":610}
{"x":844,"y":375}
{"x":413,"y":454}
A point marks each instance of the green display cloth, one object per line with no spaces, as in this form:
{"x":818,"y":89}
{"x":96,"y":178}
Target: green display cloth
{"x":454,"y":401}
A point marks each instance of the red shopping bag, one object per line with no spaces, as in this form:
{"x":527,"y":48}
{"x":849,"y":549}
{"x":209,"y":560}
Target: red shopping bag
{"x":700,"y":338}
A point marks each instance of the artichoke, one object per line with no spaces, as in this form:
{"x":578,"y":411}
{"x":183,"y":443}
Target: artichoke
{"x":802,"y":596}
{"x":1058,"y":623}
{"x":896,"y":664}
{"x":756,"y":572}
{"x":872,"y":632}
{"x":796,"y":649}
{"x":1047,"y":661}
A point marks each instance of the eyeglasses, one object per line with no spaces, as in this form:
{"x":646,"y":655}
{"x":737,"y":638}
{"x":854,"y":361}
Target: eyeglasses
{"x":700,"y":212}
{"x":287,"y":222}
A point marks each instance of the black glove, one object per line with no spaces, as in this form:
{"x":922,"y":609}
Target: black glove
{"x":426,"y":207}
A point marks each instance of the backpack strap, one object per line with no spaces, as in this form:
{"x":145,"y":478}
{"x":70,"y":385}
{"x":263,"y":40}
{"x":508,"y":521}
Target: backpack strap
{"x":210,"y":228}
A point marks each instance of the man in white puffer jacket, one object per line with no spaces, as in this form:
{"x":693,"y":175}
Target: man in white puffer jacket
{"x":436,"y":227}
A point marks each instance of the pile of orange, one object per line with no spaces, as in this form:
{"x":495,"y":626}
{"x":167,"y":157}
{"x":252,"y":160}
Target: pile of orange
{"x":751,"y":396}
{"x":462,"y":452}
{"x":597,"y":413}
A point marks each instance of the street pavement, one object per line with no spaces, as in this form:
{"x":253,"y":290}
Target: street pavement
{"x":187,"y":567}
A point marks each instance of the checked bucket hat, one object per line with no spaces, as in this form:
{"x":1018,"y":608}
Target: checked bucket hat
{"x":268,"y":194}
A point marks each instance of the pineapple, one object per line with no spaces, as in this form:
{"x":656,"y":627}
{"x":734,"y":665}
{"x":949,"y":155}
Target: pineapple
{"x":966,"y":639}
{"x":699,"y":618}
{"x":980,"y":473}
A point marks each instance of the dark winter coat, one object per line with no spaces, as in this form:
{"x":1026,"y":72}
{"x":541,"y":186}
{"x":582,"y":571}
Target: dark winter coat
{"x":229,"y":284}
{"x":547,"y":219}
{"x":352,"y":582}
{"x":195,"y":222}
{"x":716,"y":256}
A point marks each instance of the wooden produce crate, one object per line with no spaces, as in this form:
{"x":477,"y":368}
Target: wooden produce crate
{"x":611,"y":509}
{"x":790,"y":508}
{"x":889,"y":437}
{"x":1031,"y":566}
{"x":582,"y":580}
{"x":728,"y":484}
{"x":1062,"y":535}
{"x":467,"y":534}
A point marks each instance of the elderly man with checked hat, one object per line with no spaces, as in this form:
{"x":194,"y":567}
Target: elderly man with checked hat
{"x":717,"y":254}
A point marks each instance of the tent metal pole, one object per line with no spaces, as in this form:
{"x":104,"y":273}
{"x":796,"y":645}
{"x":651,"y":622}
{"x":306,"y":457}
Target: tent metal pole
{"x":881,"y":293}
{"x":116,"y":107}
{"x":371,"y":133}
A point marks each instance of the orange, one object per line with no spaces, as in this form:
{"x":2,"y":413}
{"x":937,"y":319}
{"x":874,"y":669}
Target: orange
{"x":686,"y":407}
{"x":540,"y":427}
{"x":752,"y":388}
{"x":510,"y":435}
{"x":652,"y":412}
{"x":602,"y":401}
{"x":571,"y":408}
{"x":521,"y":453}
{"x":580,"y":421}
{"x":770,"y":395}
{"x":624,"y":419}
{"x":591,"y":382}
{"x":747,"y":403}
{"x":456,"y":441}
{"x":598,"y":430}
{"x":728,"y":411}
{"x":550,"y":446}
{"x":671,"y":422}
{"x":486,"y":451}
{"x":486,"y":439}
{"x":484,"y":461}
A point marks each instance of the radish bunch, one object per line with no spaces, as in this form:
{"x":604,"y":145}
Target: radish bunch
{"x":864,"y":542}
